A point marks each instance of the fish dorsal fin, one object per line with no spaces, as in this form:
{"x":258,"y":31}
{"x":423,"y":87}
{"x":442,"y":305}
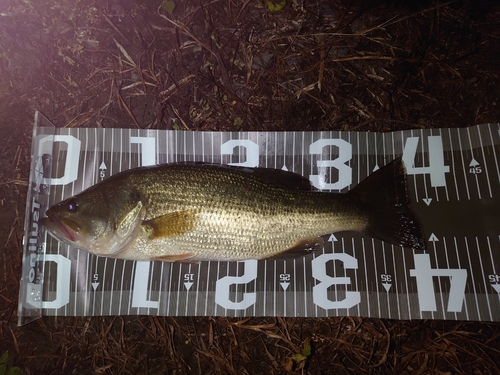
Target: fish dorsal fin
{"x":286,"y":179}
{"x":175,"y":257}
{"x":301,"y":248}
{"x":170,"y":225}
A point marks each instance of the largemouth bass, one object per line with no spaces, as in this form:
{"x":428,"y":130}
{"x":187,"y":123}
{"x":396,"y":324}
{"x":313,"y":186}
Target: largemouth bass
{"x":194,"y":211}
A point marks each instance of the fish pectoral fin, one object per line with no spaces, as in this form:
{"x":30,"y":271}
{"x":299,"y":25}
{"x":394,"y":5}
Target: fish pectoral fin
{"x":170,"y":225}
{"x":301,"y":248}
{"x":175,"y":257}
{"x":130,"y":221}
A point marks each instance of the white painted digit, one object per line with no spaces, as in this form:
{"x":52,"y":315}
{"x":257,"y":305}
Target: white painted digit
{"x":436,"y":168}
{"x":141,"y":274}
{"x":386,"y":278}
{"x":320,"y":290}
{"x":140,"y":288}
{"x":72,"y":160}
{"x":425,"y":287}
{"x":475,"y":170}
{"x":63,"y":275}
{"x":252,"y":151}
{"x":494,"y":279}
{"x":284,"y":277}
{"x":345,"y":171}
{"x":147,"y":149}
{"x":222,"y":288}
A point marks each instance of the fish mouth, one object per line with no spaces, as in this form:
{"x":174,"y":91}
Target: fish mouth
{"x":61,"y":229}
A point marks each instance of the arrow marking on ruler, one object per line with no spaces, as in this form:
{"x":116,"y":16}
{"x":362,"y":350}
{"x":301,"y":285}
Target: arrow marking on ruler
{"x":188,"y":285}
{"x":433,"y":237}
{"x":332,"y":238}
{"x":473,"y":163}
{"x":427,"y":201}
{"x":95,"y":286}
{"x":284,"y":168}
{"x":284,"y":285}
{"x":387,"y":286}
{"x":102,"y":168}
{"x":496,"y":287}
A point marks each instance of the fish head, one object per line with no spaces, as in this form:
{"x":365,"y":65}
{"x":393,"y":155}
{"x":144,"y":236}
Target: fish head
{"x":103,"y":220}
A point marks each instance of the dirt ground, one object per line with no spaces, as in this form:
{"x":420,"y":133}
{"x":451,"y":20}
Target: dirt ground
{"x":238,"y":65}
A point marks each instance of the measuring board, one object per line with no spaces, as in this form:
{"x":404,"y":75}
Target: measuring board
{"x":454,"y":186}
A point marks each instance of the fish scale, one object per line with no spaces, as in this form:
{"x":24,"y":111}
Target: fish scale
{"x":240,"y":210}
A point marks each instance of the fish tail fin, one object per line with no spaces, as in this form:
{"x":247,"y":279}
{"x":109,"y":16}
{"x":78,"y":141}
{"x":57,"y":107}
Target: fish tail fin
{"x":384,"y":196}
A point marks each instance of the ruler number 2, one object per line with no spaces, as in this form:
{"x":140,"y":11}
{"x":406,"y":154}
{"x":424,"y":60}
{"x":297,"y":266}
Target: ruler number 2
{"x":223,"y":288}
{"x":436,"y":168}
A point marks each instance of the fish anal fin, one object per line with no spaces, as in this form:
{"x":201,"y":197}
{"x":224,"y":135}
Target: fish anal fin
{"x":170,"y":225}
{"x":175,"y":257}
{"x":300,"y":249}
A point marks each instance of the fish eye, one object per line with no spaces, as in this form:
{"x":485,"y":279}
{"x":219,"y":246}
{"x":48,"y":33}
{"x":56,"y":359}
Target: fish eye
{"x":72,"y":205}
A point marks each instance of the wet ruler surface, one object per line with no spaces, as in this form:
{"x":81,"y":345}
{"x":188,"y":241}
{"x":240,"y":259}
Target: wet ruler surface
{"x":454,"y":185}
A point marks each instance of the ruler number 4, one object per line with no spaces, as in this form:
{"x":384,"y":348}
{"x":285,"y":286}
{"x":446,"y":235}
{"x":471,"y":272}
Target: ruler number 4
{"x":436,"y":168}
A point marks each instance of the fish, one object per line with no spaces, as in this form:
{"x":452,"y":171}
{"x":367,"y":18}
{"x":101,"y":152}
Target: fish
{"x":191,"y":212}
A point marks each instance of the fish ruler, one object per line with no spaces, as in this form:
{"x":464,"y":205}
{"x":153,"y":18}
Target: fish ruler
{"x":454,"y":186}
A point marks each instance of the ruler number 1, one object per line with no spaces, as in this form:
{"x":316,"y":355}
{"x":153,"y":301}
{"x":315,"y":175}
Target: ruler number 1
{"x":436,"y":168}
